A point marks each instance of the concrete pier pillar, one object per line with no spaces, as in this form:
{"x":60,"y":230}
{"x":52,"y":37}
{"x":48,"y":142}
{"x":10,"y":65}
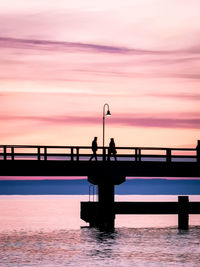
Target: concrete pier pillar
{"x":106,"y":193}
{"x":103,"y":215}
{"x":106,"y":218}
{"x":183,"y":215}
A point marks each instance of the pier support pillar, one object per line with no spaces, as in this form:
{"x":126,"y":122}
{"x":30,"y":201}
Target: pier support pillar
{"x":106,"y":217}
{"x":183,"y":216}
{"x":102,"y":215}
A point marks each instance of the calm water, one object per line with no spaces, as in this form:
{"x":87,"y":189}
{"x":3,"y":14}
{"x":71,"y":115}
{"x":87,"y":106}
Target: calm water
{"x":46,"y":231}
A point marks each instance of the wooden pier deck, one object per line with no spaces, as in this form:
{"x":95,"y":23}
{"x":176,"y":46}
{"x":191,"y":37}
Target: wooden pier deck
{"x":23,"y":160}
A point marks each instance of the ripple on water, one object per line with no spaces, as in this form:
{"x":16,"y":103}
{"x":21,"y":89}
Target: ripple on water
{"x":91,"y":247}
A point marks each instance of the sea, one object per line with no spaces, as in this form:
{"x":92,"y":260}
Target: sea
{"x":46,"y":231}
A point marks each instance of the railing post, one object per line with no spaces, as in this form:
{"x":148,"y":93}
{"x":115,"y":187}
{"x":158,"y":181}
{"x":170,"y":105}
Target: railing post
{"x":39,"y":155}
{"x":139,"y":154}
{"x":77,"y":154}
{"x":198,"y":151}
{"x":4,"y":153}
{"x":135,"y":154}
{"x":72,"y":154}
{"x":12,"y":153}
{"x":104,"y":154}
{"x":183,"y":217}
{"x":45,"y":153}
{"x":168,"y":155}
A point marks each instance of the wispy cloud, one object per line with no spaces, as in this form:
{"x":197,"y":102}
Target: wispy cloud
{"x":159,"y":122}
{"x":106,"y":93}
{"x":63,"y":46}
{"x":50,"y":45}
{"x":143,"y":121}
{"x":187,"y":96}
{"x":70,"y":65}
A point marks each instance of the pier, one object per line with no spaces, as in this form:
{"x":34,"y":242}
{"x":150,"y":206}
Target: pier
{"x":29,"y":160}
{"x":23,"y":160}
{"x":97,"y":214}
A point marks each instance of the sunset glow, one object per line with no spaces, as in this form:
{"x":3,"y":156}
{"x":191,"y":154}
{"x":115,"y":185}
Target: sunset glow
{"x":61,"y":62}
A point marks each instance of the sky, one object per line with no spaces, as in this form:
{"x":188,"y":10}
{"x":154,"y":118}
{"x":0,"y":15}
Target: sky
{"x":61,"y":61}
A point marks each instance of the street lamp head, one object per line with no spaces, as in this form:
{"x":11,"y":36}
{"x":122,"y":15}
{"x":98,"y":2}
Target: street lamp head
{"x":108,"y":113}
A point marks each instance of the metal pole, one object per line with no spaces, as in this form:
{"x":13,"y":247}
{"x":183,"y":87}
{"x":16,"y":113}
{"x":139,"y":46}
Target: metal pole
{"x":108,"y":113}
{"x":103,"y":129}
{"x":103,"y":132}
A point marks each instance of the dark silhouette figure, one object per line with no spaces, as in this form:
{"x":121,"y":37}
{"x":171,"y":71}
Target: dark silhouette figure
{"x":111,"y":150}
{"x":94,"y":148}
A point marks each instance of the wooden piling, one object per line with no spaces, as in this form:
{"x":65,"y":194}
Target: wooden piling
{"x":183,"y":216}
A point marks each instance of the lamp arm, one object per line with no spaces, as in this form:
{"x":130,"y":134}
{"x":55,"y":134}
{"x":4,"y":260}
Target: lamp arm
{"x":104,"y":106}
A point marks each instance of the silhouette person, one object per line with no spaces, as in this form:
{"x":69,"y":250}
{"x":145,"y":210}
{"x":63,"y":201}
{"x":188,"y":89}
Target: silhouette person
{"x":111,"y":149}
{"x":94,"y":149}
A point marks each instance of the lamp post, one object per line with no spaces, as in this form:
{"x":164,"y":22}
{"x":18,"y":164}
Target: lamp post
{"x":107,"y":114}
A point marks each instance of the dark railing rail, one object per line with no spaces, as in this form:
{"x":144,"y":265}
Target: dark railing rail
{"x":80,"y":153}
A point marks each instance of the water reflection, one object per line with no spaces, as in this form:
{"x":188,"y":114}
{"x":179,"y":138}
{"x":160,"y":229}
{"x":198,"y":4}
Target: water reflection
{"x":91,"y":247}
{"x":46,"y":232}
{"x":102,"y":243}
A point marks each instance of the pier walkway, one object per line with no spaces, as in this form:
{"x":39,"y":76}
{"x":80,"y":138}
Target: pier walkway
{"x":29,"y":160}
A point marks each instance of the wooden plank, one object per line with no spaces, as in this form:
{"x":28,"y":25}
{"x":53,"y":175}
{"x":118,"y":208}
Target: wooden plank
{"x":145,"y":207}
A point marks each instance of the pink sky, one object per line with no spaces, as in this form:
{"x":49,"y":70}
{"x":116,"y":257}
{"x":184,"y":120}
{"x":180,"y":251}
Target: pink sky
{"x":60,"y":61}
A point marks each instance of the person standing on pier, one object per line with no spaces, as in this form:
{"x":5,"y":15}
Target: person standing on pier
{"x":94,"y":149}
{"x":111,"y":149}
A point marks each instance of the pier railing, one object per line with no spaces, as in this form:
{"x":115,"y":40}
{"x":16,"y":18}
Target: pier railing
{"x":83,"y":153}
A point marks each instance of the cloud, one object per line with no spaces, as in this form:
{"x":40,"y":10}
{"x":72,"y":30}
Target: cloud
{"x":107,"y":93}
{"x":118,"y":62}
{"x":187,"y":96}
{"x":193,"y":76}
{"x":62,"y":61}
{"x":63,"y":46}
{"x":187,"y":58}
{"x":143,"y":120}
{"x":159,"y":122}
